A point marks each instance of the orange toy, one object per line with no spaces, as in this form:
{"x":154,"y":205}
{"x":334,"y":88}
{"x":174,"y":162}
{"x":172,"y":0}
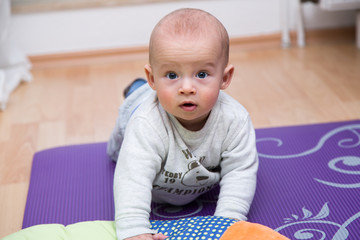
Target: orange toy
{"x":251,"y":231}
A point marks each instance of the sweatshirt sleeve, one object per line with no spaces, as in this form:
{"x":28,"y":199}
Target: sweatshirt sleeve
{"x":138,"y":163}
{"x":239,"y":166}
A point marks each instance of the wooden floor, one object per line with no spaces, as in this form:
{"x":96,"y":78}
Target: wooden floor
{"x":76,"y":101}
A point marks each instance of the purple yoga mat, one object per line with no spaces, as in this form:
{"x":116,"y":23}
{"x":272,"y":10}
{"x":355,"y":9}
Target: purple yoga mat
{"x":308,"y":184}
{"x":70,"y":184}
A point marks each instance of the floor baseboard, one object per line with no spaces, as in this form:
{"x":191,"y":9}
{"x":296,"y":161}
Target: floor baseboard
{"x":319,"y":36}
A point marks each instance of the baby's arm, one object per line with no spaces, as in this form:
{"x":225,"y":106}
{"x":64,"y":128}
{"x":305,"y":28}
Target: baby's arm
{"x":139,"y":162}
{"x":238,"y":174}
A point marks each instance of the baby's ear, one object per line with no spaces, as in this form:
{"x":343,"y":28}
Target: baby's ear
{"x":149,"y":76}
{"x":227,"y":76}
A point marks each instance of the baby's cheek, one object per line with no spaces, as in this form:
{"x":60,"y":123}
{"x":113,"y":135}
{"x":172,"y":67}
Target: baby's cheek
{"x":209,"y":100}
{"x":166,"y":99}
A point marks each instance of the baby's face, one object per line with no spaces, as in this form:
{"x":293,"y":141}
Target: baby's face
{"x":187,"y":75}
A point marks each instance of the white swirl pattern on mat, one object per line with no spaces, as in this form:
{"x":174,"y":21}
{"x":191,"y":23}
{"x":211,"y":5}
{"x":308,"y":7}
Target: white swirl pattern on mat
{"x":350,"y":161}
{"x":344,"y":143}
{"x":167,"y":211}
{"x":342,"y":232}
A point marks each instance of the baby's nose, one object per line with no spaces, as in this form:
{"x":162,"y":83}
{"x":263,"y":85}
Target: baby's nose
{"x":187,"y":87}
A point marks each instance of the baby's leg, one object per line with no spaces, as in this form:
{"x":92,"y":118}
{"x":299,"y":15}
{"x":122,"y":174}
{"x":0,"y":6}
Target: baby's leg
{"x":133,"y":86}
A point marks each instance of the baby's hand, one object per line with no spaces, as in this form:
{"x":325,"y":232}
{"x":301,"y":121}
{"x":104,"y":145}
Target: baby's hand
{"x":159,"y":236}
{"x":148,"y":236}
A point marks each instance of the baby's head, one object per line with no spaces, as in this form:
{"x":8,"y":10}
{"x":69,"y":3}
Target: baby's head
{"x":188,"y":56}
{"x":189,"y":25}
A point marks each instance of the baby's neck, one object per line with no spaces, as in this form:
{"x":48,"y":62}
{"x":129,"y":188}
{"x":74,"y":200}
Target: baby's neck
{"x":193,"y":125}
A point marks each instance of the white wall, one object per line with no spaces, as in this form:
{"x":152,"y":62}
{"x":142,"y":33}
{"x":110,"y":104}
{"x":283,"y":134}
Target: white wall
{"x":128,"y":26}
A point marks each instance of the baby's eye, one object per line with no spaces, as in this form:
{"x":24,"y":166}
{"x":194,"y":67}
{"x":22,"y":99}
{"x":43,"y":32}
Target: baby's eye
{"x":171,"y":75}
{"x":201,"y":75}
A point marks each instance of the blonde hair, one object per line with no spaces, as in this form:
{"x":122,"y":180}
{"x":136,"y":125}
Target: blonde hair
{"x":190,"y":22}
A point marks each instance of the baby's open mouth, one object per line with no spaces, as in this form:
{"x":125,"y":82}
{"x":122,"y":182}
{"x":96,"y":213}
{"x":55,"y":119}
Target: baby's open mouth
{"x":188,"y":106}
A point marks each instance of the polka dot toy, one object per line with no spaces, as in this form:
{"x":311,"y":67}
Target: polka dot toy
{"x":195,"y":228}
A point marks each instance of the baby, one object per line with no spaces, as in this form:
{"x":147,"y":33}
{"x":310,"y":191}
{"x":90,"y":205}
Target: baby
{"x":179,"y":136}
